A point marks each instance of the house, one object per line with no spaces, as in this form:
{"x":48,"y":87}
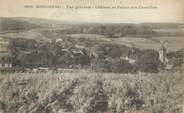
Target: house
{"x":130,"y":60}
{"x":129,"y":55}
{"x":5,"y":62}
{"x":175,"y":59}
{"x":5,"y":54}
{"x":78,"y":50}
{"x":56,"y":40}
{"x":59,"y":40}
{"x":4,"y":46}
{"x":80,"y":46}
{"x":3,"y":41}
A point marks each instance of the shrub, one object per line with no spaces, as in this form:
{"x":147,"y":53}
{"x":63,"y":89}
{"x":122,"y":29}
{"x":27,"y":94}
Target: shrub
{"x":121,"y":66}
{"x":100,"y":65}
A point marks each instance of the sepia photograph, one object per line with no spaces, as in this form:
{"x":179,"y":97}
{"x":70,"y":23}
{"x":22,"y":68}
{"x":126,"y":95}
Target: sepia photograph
{"x":75,"y":57}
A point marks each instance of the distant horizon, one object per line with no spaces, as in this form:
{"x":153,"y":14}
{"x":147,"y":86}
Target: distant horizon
{"x":50,"y":19}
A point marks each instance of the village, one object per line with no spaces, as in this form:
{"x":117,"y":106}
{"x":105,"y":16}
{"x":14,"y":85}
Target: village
{"x":49,"y":66}
{"x":74,"y":56}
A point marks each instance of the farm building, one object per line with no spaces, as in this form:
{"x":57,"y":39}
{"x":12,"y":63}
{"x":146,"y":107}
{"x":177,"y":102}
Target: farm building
{"x":5,"y":55}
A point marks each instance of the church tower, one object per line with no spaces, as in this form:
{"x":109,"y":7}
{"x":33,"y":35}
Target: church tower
{"x":162,"y":54}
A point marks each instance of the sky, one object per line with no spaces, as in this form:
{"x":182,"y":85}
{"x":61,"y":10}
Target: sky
{"x":161,"y":11}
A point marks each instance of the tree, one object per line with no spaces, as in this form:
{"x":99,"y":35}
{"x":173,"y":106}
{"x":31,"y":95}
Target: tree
{"x":148,"y":62}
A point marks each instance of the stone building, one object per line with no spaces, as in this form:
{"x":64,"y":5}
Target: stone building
{"x":5,"y":55}
{"x":6,"y":62}
{"x":162,"y":54}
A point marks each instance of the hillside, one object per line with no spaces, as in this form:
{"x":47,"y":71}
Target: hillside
{"x":13,"y":25}
{"x":143,"y":35}
{"x":46,"y":23}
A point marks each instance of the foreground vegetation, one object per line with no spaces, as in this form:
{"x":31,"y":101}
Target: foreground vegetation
{"x":85,"y":92}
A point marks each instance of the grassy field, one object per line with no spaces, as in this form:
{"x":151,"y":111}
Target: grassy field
{"x":172,"y":43}
{"x":85,"y":92}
